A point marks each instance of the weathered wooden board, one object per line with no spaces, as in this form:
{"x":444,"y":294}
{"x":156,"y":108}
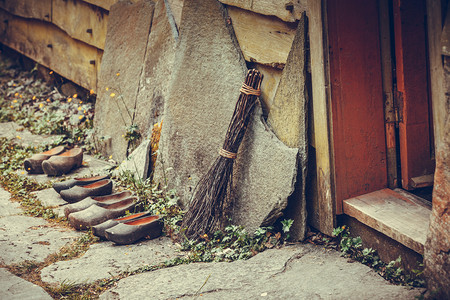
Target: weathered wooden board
{"x":82,"y":21}
{"x":50,"y":46}
{"x":325,"y":219}
{"x":392,"y":214}
{"x":263,"y":39}
{"x":288,"y":11}
{"x":106,"y":4}
{"x":35,"y":9}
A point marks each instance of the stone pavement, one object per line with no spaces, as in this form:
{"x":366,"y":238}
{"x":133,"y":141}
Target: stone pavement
{"x":301,"y":271}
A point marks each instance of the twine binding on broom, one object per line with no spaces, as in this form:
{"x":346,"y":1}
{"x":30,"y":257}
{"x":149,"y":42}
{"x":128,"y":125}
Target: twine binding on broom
{"x":248,"y":90}
{"x":227,"y":154}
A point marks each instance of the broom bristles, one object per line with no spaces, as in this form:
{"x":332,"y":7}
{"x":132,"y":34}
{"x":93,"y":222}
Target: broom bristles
{"x":211,"y":202}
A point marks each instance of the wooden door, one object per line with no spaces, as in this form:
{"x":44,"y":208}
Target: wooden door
{"x":415,"y":130}
{"x":359,"y":145}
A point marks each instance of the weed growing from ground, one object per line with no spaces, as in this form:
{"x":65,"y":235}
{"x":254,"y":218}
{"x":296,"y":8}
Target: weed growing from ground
{"x":232,"y":244}
{"x":76,"y":249}
{"x":352,"y":247}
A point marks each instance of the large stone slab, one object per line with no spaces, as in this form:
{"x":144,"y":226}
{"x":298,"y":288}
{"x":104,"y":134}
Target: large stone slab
{"x":208,"y":72}
{"x":197,"y":117}
{"x":297,"y":272}
{"x":123,"y":57}
{"x":264,"y":176}
{"x":8,"y":208}
{"x":23,"y":137}
{"x":288,"y":117}
{"x":106,"y":259}
{"x":13,"y":287}
{"x":49,"y":198}
{"x":27,"y":238}
{"x":157,"y":70}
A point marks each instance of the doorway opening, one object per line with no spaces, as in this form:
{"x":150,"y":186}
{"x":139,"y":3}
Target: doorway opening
{"x":382,"y":132}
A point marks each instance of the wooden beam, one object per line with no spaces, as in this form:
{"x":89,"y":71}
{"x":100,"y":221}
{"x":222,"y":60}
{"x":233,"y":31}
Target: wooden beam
{"x":263,"y":39}
{"x":325,"y":202}
{"x":34,"y":9}
{"x":82,"y":21}
{"x":48,"y":45}
{"x":288,"y":11}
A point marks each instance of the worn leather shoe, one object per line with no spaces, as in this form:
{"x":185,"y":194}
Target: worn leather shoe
{"x":63,"y":163}
{"x":94,"y":214}
{"x":101,"y":201}
{"x":99,"y":230}
{"x":33,"y":165}
{"x":134,"y":230}
{"x":77,"y":193}
{"x":64,"y":185}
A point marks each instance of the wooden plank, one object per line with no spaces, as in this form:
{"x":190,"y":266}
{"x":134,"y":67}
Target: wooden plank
{"x":393,"y":215}
{"x":50,"y":46}
{"x":359,"y":140}
{"x":263,"y":39}
{"x":422,"y":181}
{"x":407,"y":196}
{"x":35,"y":9}
{"x":82,"y":21}
{"x":288,"y":11}
{"x":324,"y":202}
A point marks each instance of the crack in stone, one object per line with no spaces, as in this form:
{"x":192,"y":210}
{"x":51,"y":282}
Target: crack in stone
{"x":289,"y":262}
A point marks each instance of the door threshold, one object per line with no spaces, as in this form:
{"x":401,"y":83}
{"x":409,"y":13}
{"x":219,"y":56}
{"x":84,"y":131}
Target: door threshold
{"x":396,"y":213}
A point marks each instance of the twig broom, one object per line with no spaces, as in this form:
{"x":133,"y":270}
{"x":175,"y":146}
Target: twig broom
{"x":210,"y":206}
